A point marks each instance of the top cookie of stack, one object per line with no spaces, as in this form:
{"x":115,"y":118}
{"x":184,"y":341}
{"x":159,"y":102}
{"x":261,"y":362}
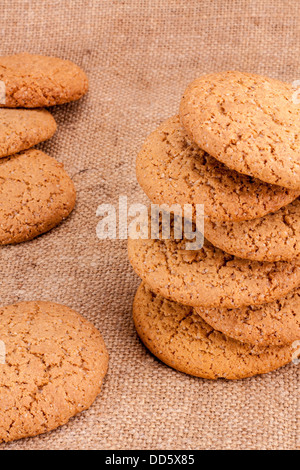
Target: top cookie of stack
{"x":35,"y":192}
{"x":235,"y":147}
{"x":252,"y":125}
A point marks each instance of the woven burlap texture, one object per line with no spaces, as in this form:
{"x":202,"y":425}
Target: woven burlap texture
{"x":139,"y":56}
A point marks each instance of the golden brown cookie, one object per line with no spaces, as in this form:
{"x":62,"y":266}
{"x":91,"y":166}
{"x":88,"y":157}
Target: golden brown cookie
{"x":55,"y":363}
{"x":275,"y":237}
{"x":249,"y":122}
{"x":209,"y":277}
{"x":34,"y":81}
{"x":273,"y":324}
{"x":36,"y":194}
{"x":21,"y":129}
{"x":172,"y":170}
{"x":182,"y":340}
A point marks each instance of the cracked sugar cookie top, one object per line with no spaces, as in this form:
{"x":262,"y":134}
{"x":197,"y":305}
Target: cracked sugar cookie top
{"x":183,"y":340}
{"x":273,"y":324}
{"x":33,"y":81}
{"x":274,"y":237}
{"x":209,"y":277}
{"x":36,"y":194}
{"x":170,"y":169}
{"x":55,"y":363}
{"x":21,"y":129}
{"x":249,"y":122}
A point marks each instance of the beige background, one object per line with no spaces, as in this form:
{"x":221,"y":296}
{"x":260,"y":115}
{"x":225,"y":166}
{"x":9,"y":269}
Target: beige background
{"x":140,"y":55}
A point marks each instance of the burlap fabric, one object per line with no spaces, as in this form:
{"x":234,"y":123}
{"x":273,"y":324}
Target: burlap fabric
{"x":139,"y":56}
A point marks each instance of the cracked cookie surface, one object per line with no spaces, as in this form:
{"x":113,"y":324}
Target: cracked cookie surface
{"x":181,"y":339}
{"x":274,"y":237}
{"x":36,"y":194}
{"x":249,"y":122}
{"x":55,"y":363}
{"x":172,"y":170}
{"x":209,"y":277}
{"x":34,"y":81}
{"x":21,"y":129}
{"x":273,"y":324}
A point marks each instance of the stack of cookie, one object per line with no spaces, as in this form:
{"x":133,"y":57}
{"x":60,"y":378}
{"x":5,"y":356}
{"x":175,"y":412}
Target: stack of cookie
{"x":36,"y":194}
{"x":231,"y":309}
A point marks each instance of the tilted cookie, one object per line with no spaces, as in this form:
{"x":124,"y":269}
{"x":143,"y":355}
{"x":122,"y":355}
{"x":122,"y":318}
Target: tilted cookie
{"x":21,"y":129}
{"x":209,"y":277}
{"x":181,"y":339}
{"x":273,"y":324}
{"x":249,"y":122}
{"x":36,"y":194}
{"x":171,"y":170}
{"x":55,"y":363}
{"x":275,"y":237}
{"x":34,"y":81}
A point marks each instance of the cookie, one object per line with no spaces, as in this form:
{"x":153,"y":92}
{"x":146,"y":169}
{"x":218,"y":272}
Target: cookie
{"x":21,"y":129}
{"x":209,"y":277}
{"x":275,"y":237}
{"x":36,"y":194}
{"x":181,"y":339}
{"x":249,"y":122}
{"x":171,"y":170}
{"x":35,"y":81}
{"x":273,"y":324}
{"x":55,"y":363}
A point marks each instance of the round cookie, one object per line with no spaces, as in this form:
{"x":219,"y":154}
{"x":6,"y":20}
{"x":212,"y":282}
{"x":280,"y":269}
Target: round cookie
{"x":36,"y":194}
{"x":34,"y":81}
{"x":275,"y":237}
{"x":55,"y":363}
{"x":249,"y":122}
{"x":181,"y":339}
{"x":273,"y":324}
{"x":209,"y":277}
{"x":172,"y":170}
{"x":21,"y":129}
